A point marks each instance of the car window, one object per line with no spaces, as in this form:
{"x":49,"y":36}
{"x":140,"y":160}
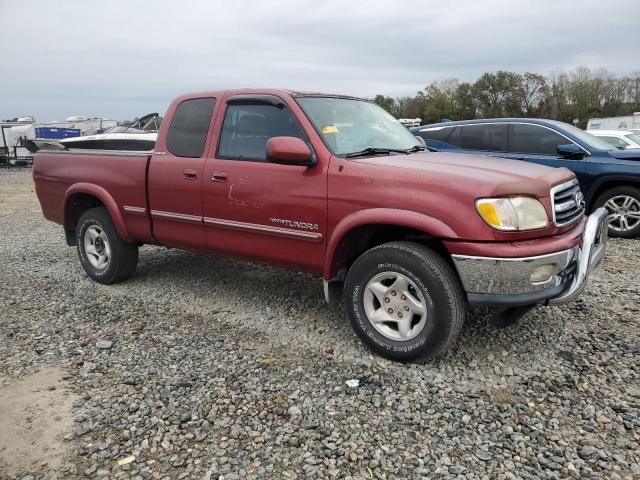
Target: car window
{"x":485,"y":137}
{"x":436,"y":133}
{"x":247,"y":128}
{"x":534,"y":139}
{"x":189,"y":127}
{"x":634,"y":137}
{"x":615,"y":141}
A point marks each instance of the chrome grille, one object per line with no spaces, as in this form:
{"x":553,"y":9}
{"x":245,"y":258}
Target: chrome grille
{"x":567,"y":202}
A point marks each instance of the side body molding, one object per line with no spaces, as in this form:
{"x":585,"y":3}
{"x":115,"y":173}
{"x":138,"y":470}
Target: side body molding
{"x":106,"y":199}
{"x":382,"y":216}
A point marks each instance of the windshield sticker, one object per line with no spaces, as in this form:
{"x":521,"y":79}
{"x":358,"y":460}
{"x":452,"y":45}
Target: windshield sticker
{"x":330,"y":129}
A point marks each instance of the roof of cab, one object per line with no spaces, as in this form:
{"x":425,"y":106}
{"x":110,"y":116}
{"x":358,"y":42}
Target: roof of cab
{"x":265,"y":91}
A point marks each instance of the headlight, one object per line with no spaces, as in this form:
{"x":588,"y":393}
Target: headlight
{"x":513,"y":214}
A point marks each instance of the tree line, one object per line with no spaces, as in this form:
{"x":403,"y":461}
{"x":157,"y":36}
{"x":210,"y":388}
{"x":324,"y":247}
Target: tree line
{"x":579,"y":94}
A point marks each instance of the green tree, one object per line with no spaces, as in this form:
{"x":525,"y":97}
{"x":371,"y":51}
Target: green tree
{"x":496,"y":94}
{"x":388,"y":103}
{"x":530,"y":92}
{"x":464,"y":102}
{"x":439,"y":100}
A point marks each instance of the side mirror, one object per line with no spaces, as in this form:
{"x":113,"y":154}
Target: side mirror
{"x":289,"y":151}
{"x":571,"y":151}
{"x":421,"y":140}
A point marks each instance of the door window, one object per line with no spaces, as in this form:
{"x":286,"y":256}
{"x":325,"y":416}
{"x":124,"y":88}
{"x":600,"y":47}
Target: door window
{"x":187,"y":134}
{"x":247,"y":128}
{"x":436,"y":133}
{"x":487,"y":137}
{"x":527,"y":138}
{"x":615,"y":141}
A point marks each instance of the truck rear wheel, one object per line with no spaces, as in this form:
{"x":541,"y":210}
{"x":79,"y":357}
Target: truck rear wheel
{"x":405,"y":301}
{"x":623,"y":204}
{"x":104,"y":255}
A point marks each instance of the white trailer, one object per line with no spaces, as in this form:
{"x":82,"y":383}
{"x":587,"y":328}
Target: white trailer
{"x":630,"y":122}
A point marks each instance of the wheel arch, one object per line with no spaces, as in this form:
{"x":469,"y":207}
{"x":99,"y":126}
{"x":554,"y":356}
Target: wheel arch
{"x":365,"y":229}
{"x":606,"y":183}
{"x":79,"y":198}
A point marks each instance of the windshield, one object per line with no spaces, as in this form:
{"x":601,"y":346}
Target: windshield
{"x":124,"y":129}
{"x":634,"y":137}
{"x":349,"y":126}
{"x":590,"y":141}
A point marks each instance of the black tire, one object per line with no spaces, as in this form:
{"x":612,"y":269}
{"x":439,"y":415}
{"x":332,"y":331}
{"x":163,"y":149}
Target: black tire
{"x":123,"y":257}
{"x":446,"y":304}
{"x":614,"y":225}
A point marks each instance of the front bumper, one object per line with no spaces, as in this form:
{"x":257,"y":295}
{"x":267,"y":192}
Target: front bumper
{"x":554,"y":279}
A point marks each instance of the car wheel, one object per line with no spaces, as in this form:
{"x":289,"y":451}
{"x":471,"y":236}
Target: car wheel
{"x":405,"y":301}
{"x":623,"y":204}
{"x":104,"y":255}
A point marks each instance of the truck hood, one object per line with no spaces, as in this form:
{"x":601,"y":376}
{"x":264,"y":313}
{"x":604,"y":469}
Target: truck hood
{"x":482,"y":175}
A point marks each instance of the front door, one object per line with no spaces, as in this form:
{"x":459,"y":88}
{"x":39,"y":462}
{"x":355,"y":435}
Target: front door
{"x":176,"y":173}
{"x":259,"y":210}
{"x":535,"y":143}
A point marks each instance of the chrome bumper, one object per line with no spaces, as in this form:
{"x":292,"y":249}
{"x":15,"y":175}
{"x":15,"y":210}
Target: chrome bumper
{"x":555,"y":278}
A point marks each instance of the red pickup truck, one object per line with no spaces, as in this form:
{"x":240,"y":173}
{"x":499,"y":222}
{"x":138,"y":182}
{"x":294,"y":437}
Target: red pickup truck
{"x":334,"y":186}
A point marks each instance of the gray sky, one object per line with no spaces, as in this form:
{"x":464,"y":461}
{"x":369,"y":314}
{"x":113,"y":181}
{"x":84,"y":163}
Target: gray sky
{"x":122,"y":59}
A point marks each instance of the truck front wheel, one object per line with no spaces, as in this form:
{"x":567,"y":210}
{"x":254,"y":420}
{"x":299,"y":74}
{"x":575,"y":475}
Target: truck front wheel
{"x":405,"y":301}
{"x":104,"y":255}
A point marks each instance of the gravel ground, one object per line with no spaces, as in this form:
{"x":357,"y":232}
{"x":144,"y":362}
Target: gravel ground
{"x":208,"y":368}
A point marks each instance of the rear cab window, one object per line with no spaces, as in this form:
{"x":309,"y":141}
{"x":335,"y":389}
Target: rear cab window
{"x":187,"y":135}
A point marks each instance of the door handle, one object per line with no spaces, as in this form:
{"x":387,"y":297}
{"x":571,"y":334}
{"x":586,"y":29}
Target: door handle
{"x":190,"y":174}
{"x":218,"y":176}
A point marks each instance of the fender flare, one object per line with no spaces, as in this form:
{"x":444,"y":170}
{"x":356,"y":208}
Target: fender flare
{"x":613,"y":178}
{"x":107,"y":200}
{"x":387,"y":216}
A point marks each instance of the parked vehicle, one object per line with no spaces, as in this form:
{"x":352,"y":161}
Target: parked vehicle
{"x":139,"y":136}
{"x":336,"y":187}
{"x":410,"y":122}
{"x":608,"y":177}
{"x":629,"y":122}
{"x":620,"y":139}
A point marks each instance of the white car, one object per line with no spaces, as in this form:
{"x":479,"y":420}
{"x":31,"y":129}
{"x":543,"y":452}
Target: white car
{"x":621,"y":139}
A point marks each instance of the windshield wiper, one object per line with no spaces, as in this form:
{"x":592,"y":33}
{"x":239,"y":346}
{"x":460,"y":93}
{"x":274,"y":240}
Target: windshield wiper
{"x":382,"y":151}
{"x":416,"y":148}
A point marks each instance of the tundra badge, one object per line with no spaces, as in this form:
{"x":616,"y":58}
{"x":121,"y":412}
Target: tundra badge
{"x":295,"y":223}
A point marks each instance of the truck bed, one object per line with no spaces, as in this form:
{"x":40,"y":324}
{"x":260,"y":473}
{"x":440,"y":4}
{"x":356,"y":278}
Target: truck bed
{"x":116,"y":178}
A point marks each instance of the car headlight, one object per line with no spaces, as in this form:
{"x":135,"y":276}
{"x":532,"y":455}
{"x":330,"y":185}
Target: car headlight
{"x":513,"y":214}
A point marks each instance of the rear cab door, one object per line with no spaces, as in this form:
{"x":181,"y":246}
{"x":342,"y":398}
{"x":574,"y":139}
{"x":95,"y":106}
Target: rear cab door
{"x":176,"y":173}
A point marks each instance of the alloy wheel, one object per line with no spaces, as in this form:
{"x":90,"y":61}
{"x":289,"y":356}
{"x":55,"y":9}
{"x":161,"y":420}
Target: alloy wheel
{"x":624,"y":213}
{"x":395,"y":306}
{"x":96,"y":247}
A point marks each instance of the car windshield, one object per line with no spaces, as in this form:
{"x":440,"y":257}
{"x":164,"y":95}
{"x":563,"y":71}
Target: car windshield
{"x":351,"y":126}
{"x":634,"y":137}
{"x":124,"y":129}
{"x":590,"y":141}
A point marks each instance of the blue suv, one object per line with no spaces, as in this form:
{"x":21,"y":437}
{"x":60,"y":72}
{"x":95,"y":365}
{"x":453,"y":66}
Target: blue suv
{"x":608,"y":177}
